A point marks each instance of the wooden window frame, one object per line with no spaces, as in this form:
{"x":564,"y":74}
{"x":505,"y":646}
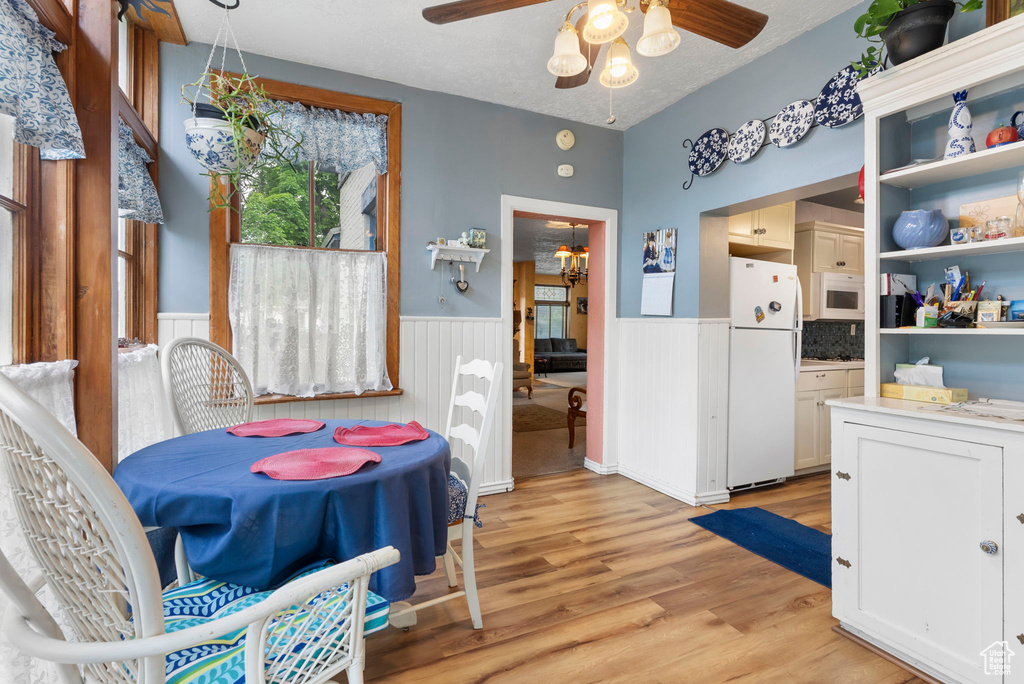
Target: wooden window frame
{"x":226,"y":229}
{"x":537,"y":303}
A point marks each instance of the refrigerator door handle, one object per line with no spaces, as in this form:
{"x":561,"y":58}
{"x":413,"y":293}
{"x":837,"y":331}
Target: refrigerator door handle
{"x":799,"y":315}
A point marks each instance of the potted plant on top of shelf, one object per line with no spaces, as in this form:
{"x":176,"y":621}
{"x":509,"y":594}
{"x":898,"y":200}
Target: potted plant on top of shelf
{"x":907,"y":28}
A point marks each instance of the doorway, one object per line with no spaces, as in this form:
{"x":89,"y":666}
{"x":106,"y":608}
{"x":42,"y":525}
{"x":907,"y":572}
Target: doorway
{"x":558,"y":329}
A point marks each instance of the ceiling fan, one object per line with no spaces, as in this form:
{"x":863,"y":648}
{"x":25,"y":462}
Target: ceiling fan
{"x":604,"y":21}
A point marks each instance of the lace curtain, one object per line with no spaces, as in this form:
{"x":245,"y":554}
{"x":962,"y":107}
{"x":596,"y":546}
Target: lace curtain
{"x":308,"y":322}
{"x":31,"y":87}
{"x":136,"y":193}
{"x":345,"y":141}
{"x":51,"y":384}
{"x":140,"y":400}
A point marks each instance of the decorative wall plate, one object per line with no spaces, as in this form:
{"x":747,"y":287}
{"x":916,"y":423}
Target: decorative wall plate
{"x":747,"y":141}
{"x":792,"y":123}
{"x":838,"y":103}
{"x":709,"y":151}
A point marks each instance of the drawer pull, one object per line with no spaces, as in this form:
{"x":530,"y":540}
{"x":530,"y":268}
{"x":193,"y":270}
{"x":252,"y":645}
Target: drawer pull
{"x":989,"y":547}
{"x":1020,"y":638}
{"x":843,"y":476}
{"x":1020,"y":517}
{"x":842,"y":561}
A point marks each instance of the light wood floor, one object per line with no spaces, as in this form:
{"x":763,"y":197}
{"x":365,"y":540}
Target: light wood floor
{"x":588,"y":578}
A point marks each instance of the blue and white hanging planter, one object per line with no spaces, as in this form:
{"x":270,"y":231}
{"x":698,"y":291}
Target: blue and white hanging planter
{"x":960,"y":140}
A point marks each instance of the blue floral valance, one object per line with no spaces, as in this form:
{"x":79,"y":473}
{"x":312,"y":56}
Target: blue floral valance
{"x":343,"y":140}
{"x":136,"y":194}
{"x":31,"y":87}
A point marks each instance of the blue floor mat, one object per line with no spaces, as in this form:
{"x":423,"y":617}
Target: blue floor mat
{"x":796,"y":547}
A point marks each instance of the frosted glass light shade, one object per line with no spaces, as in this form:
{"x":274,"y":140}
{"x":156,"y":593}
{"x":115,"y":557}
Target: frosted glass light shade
{"x":660,"y":36}
{"x":567,"y":59}
{"x":619,"y":71}
{"x":605,"y":22}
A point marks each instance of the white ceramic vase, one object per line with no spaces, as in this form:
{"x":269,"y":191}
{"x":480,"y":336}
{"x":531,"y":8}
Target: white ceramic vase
{"x":960,"y":140}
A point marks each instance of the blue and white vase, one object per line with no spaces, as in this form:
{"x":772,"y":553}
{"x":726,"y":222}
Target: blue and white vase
{"x":960,"y":140}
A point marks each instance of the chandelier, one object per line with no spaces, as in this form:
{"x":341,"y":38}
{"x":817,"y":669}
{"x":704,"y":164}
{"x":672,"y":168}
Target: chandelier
{"x":579,"y":261}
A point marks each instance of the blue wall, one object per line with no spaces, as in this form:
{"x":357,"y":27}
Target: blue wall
{"x":459,"y":157}
{"x":652,"y":178}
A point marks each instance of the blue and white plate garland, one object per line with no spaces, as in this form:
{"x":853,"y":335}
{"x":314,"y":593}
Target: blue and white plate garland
{"x":838,"y":103}
{"x":747,"y":141}
{"x":709,"y":151}
{"x":792,"y":123}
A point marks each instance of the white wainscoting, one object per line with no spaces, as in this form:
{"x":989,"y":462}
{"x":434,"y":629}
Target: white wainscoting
{"x":673,"y":379}
{"x":429,"y":346}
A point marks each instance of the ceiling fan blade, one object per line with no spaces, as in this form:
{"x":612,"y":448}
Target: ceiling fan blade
{"x":720,"y":20}
{"x":590,"y":51}
{"x":467,"y":9}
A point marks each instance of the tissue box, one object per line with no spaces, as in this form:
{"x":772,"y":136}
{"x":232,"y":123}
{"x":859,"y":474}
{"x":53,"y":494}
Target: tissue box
{"x":931,"y":395}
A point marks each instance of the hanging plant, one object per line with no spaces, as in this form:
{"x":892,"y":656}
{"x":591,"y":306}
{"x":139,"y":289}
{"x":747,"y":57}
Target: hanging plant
{"x":907,"y":28}
{"x":233,"y":124}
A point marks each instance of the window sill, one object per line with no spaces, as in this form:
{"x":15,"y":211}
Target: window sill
{"x":285,"y":399}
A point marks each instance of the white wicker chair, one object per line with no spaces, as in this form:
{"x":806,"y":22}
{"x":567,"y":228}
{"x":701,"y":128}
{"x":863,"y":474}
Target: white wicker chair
{"x":206,"y":388}
{"x":462,"y":518}
{"x":95,"y":559}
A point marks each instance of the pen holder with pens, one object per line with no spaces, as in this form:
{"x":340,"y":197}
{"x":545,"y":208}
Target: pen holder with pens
{"x":958,"y":314}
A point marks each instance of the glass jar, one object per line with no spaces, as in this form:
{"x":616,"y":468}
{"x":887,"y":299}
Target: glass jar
{"x":998,"y":228}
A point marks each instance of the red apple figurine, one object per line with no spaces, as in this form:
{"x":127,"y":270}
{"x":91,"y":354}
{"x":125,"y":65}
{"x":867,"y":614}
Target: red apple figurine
{"x":1002,"y":135}
{"x":860,"y":186}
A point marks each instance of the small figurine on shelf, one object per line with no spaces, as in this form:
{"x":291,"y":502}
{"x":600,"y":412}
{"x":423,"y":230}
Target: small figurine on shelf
{"x":1001,"y":135}
{"x":478,"y":238}
{"x":464,"y":240}
{"x":960,"y":140}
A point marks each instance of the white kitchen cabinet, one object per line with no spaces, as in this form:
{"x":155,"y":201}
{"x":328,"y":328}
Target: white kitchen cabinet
{"x":920,"y":503}
{"x":762,"y":231}
{"x":813,"y":445}
{"x":828,"y":248}
{"x":808,"y":431}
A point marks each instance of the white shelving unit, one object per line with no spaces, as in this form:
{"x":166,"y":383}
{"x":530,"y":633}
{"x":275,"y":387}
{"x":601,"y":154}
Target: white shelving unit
{"x":456,"y":254}
{"x":950,"y":251}
{"x":988,"y":62}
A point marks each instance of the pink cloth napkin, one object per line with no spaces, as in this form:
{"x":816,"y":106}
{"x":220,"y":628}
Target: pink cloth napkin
{"x":381,"y":435}
{"x":278,"y":427}
{"x":314,"y":464}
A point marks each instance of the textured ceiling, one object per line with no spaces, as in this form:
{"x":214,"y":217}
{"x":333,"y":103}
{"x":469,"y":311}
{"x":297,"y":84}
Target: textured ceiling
{"x":535,"y":240}
{"x":497,"y":58}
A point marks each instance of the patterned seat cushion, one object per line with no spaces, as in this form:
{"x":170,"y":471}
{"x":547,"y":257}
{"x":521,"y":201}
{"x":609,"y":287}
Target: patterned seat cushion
{"x":221,"y":660}
{"x":458,"y":497}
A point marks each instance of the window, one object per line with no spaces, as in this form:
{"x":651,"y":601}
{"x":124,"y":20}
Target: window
{"x":11,"y":216}
{"x":551,"y":311}
{"x":323,"y":205}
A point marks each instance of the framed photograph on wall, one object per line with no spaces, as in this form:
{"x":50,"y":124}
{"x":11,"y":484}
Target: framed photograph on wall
{"x":999,"y":10}
{"x":581,"y":305}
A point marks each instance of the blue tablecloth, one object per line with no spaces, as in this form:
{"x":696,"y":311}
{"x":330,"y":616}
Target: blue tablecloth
{"x":249,"y":529}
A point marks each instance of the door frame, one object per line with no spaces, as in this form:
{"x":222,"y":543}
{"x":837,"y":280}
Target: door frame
{"x":610,"y":217}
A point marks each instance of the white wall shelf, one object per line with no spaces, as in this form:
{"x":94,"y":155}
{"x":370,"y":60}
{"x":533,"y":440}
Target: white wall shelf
{"x":952,"y":331}
{"x":983,"y":161}
{"x":456,"y":254}
{"x":965,"y":250}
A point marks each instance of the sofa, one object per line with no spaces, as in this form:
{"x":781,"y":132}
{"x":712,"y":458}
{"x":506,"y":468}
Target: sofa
{"x":559,"y":355}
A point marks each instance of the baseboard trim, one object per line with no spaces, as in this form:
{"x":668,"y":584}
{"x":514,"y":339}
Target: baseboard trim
{"x":879,"y":651}
{"x":600,"y":468}
{"x":496,"y":487}
{"x":692,"y":498}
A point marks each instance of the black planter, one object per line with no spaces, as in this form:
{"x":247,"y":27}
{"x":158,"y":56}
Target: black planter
{"x":917,"y":30}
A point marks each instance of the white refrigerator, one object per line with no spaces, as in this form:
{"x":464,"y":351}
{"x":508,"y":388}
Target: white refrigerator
{"x":764,"y":360}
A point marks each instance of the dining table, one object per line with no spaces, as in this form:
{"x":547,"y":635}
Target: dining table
{"x":250,"y":529}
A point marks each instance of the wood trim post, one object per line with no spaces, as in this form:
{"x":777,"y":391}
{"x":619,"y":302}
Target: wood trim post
{"x":224,"y":229}
{"x":95,"y":47}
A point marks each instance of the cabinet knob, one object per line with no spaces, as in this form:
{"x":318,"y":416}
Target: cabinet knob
{"x":842,"y":476}
{"x":989,"y":547}
{"x":1020,"y":638}
{"x":1020,"y":517}
{"x":842,"y":561}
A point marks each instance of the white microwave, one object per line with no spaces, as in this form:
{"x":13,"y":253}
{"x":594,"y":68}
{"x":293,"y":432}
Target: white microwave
{"x":835,"y":297}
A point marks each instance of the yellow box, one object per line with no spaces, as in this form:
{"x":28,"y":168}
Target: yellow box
{"x":931,"y":395}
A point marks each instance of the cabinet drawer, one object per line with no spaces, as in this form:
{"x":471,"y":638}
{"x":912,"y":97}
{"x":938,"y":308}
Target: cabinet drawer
{"x":855,"y":378}
{"x":820,"y":380}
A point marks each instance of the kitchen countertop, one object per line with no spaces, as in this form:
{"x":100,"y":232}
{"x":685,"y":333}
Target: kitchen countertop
{"x":923,"y":410}
{"x":816,"y":365}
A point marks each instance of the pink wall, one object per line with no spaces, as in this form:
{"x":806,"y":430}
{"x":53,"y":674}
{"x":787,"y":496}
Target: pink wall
{"x":595,"y":343}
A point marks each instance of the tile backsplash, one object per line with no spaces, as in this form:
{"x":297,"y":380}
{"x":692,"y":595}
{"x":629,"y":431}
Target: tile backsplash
{"x":825,"y":339}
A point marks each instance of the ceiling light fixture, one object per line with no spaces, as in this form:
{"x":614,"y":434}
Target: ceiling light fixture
{"x":660,"y":37}
{"x":579,"y":261}
{"x":619,"y":71}
{"x":567,"y":59}
{"x":605,"y":22}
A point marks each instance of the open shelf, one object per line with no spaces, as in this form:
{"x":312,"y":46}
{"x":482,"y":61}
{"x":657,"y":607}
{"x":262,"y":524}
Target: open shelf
{"x":983,"y":161}
{"x":455,"y":253}
{"x":951,"y":331}
{"x":964,"y":250}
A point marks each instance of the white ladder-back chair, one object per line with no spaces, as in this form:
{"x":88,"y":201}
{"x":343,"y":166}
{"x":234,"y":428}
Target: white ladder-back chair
{"x":95,"y":559}
{"x":205,"y":385}
{"x":462,"y":516}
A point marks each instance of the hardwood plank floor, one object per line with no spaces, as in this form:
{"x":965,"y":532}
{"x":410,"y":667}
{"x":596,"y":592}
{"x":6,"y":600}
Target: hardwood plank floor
{"x":589,"y":578}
